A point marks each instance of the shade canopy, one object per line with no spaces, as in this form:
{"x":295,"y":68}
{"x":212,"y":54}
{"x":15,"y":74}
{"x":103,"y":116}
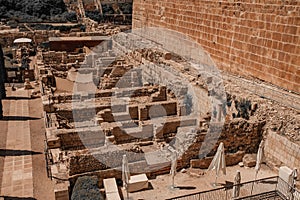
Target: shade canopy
{"x":218,"y":163}
{"x":22,"y":40}
{"x":259,"y":158}
{"x":173,"y":167}
{"x":173,"y":164}
{"x":125,"y":171}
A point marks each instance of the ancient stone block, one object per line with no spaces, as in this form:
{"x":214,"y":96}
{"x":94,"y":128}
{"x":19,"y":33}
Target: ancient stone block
{"x":231,"y":159}
{"x":61,"y":191}
{"x":249,"y":160}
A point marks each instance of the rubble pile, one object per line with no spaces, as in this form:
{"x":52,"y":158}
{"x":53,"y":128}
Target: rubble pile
{"x":278,"y":117}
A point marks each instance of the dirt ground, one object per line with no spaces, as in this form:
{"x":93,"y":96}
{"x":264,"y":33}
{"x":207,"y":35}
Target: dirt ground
{"x":191,"y":182}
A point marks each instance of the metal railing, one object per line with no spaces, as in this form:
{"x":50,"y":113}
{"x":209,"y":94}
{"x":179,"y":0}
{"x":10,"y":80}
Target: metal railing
{"x":287,"y":191}
{"x":268,"y":188}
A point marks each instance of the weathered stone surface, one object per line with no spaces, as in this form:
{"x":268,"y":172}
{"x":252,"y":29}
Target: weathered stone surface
{"x":277,"y":147}
{"x":237,"y":135}
{"x":123,"y":124}
{"x":87,"y":163}
{"x":276,"y":72}
{"x":86,"y":187}
{"x":61,"y":191}
{"x":249,"y":160}
{"x":231,"y":159}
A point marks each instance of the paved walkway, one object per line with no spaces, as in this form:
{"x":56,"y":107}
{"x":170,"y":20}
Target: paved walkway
{"x":17,"y":175}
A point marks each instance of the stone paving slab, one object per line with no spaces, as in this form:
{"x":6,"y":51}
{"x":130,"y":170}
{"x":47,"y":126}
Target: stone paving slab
{"x":17,"y":175}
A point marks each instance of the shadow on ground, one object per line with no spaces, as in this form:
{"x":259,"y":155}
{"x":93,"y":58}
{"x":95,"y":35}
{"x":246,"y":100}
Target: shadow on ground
{"x":9,"y":152}
{"x":19,"y":118}
{"x":18,"y":198}
{"x":16,"y":98}
{"x":228,"y":185}
{"x":186,"y":187}
{"x":268,"y":182}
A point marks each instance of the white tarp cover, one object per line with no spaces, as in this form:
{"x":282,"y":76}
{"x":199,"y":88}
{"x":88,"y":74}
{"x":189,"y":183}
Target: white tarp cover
{"x":259,"y":158}
{"x":22,"y":40}
{"x":218,"y":163}
{"x":125,"y":171}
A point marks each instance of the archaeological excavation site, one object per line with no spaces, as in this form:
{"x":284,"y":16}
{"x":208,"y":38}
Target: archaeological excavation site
{"x":150,"y":100}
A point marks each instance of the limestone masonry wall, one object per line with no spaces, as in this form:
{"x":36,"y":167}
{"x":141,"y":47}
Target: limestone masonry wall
{"x":279,"y":150}
{"x":239,"y":137}
{"x":259,"y":38}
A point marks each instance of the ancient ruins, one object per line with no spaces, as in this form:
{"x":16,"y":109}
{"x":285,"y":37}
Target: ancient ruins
{"x":161,"y":97}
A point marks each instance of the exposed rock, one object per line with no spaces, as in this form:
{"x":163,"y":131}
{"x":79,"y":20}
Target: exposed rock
{"x":148,"y":143}
{"x":99,"y":161}
{"x":196,"y":172}
{"x":241,"y":164}
{"x":249,"y":160}
{"x":231,"y":159}
{"x":86,"y":187}
{"x":278,"y":117}
{"x":27,"y":85}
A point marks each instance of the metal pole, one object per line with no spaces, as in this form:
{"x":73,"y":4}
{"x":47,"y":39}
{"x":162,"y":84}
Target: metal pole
{"x":173,"y":185}
{"x":253,"y":182}
{"x":127,"y":191}
{"x":277,"y":183}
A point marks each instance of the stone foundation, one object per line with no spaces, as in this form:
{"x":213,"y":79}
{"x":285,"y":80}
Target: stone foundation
{"x":280,"y":151}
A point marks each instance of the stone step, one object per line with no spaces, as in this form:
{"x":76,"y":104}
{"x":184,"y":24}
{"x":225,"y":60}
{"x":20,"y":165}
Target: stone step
{"x":135,"y":130}
{"x":122,"y":116}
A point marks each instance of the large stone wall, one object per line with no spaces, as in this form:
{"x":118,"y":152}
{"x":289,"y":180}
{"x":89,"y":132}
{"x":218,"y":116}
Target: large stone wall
{"x":257,"y":38}
{"x":280,"y":150}
{"x":239,"y":136}
{"x":87,"y":163}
